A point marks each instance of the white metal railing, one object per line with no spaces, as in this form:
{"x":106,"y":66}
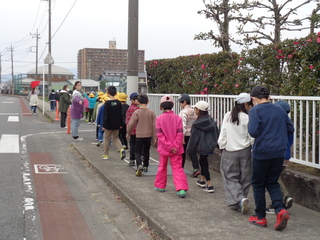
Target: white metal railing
{"x":304,"y":115}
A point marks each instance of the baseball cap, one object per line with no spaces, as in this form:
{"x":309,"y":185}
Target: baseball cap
{"x":184,"y":97}
{"x":202,"y":105}
{"x":259,"y":90}
{"x":166,"y":98}
{"x":133,"y":95}
{"x":243,"y":98}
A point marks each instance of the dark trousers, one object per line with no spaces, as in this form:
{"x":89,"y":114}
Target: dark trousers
{"x":52,"y":105}
{"x":122,"y":135}
{"x":193,"y":157}
{"x":97,"y":132}
{"x":63,"y":117}
{"x":265,"y":175}
{"x":132,"y":147}
{"x":204,"y":167}
{"x":90,"y":114}
{"x":143,"y":149}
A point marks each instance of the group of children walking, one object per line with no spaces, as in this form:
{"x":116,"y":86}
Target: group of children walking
{"x":255,"y":138}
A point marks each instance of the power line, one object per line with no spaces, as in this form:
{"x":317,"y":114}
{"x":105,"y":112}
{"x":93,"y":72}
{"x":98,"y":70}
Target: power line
{"x":64,"y":18}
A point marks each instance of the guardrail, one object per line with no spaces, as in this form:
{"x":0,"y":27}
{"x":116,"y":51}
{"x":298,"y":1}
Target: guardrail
{"x":304,"y":115}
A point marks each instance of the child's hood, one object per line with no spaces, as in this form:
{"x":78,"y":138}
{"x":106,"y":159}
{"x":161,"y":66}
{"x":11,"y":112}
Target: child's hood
{"x":205,"y":123}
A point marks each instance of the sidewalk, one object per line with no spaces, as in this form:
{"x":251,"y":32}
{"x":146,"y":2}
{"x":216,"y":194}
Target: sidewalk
{"x":200,"y":215}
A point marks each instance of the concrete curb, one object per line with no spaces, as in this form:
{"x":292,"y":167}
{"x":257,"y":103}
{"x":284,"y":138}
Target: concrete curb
{"x":129,"y":201}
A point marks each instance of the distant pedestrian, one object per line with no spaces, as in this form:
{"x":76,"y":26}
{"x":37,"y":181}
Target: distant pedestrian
{"x":270,"y":125}
{"x":286,"y":198}
{"x":235,"y":143}
{"x":76,"y":110}
{"x":92,"y":99}
{"x":203,"y":140}
{"x":188,"y":117}
{"x":112,"y":122}
{"x":52,"y":99}
{"x":64,"y":103}
{"x":170,"y":138}
{"x":122,"y":97}
{"x":99,"y":120}
{"x":86,"y":108}
{"x":33,"y":100}
{"x":133,"y":107}
{"x":145,"y":120}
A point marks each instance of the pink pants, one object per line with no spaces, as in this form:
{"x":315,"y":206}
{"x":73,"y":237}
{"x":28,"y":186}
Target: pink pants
{"x":179,"y":177}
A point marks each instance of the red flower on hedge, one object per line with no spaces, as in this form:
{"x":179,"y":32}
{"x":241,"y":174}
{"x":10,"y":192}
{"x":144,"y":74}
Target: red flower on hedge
{"x":311,"y":67}
{"x":295,"y":43}
{"x":203,"y":67}
{"x":309,"y":40}
{"x":318,"y":40}
{"x":290,"y":56}
{"x":236,"y":85}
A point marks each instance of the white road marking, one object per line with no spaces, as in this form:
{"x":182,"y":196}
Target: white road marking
{"x":13,"y":119}
{"x":9,"y":143}
{"x":48,"y":168}
{"x":17,"y":114}
{"x":7,"y":102}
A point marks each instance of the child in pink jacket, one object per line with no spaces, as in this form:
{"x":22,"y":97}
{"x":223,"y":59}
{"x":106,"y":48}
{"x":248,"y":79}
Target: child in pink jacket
{"x":170,"y":138}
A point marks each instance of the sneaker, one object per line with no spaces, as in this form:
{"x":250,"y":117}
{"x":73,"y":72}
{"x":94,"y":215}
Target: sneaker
{"x":99,"y":143}
{"x":181,"y":193}
{"x":270,"y":210}
{"x":195,"y":173}
{"x":122,"y":154}
{"x":258,"y":222}
{"x":89,"y":123}
{"x":78,"y":139}
{"x":87,"y":120}
{"x":105,"y":156}
{"x":209,"y":189}
{"x":289,"y":201}
{"x":132,"y":163}
{"x":282,"y":220}
{"x":145,"y":169}
{"x":161,"y":189}
{"x":201,"y":183}
{"x":244,"y":205}
{"x":139,"y":171}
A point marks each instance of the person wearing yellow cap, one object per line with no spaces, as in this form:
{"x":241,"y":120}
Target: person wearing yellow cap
{"x":122,"y":97}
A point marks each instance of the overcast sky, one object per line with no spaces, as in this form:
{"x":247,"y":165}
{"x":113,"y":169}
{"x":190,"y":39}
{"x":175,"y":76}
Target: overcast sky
{"x":166,"y":29}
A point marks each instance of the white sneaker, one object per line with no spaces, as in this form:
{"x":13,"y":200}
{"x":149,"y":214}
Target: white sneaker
{"x":78,"y":139}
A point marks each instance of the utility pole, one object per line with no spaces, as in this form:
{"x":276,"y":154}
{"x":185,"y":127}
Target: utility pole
{"x":49,"y":47}
{"x":132,"y":73}
{"x":12,"y":76}
{"x":36,"y":35}
{"x":0,"y":70}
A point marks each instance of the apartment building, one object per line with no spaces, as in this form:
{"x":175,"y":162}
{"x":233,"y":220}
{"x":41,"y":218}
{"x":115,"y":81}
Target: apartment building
{"x":95,"y":63}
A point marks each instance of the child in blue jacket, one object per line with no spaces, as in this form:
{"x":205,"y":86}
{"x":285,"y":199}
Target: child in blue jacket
{"x":92,"y":99}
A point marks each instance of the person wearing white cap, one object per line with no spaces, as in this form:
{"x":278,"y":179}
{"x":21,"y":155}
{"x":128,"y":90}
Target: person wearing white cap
{"x":203,"y":141}
{"x":235,"y":143}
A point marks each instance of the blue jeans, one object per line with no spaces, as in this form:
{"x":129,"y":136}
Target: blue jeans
{"x":33,"y":109}
{"x":265,"y":175}
{"x":100,"y":133}
{"x":74,"y":127}
{"x":52,"y":105}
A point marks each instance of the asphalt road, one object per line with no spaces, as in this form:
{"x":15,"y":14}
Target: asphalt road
{"x":46,"y":189}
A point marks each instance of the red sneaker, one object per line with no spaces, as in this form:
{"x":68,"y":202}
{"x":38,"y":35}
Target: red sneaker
{"x":258,"y":222}
{"x":282,"y":220}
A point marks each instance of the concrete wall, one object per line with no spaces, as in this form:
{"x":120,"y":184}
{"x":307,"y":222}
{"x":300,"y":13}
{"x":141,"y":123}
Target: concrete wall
{"x":303,"y":188}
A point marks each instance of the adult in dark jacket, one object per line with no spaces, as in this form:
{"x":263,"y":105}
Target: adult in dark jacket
{"x":64,"y":103}
{"x":203,"y":140}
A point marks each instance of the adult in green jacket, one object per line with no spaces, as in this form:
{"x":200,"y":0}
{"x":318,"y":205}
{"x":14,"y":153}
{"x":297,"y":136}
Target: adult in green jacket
{"x":64,"y":103}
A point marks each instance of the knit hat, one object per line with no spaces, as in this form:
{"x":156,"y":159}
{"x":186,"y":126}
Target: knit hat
{"x":202,"y":105}
{"x":122,"y":97}
{"x":100,"y":94}
{"x":91,"y":95}
{"x":243,"y":98}
{"x":166,"y":98}
{"x":133,"y":95}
